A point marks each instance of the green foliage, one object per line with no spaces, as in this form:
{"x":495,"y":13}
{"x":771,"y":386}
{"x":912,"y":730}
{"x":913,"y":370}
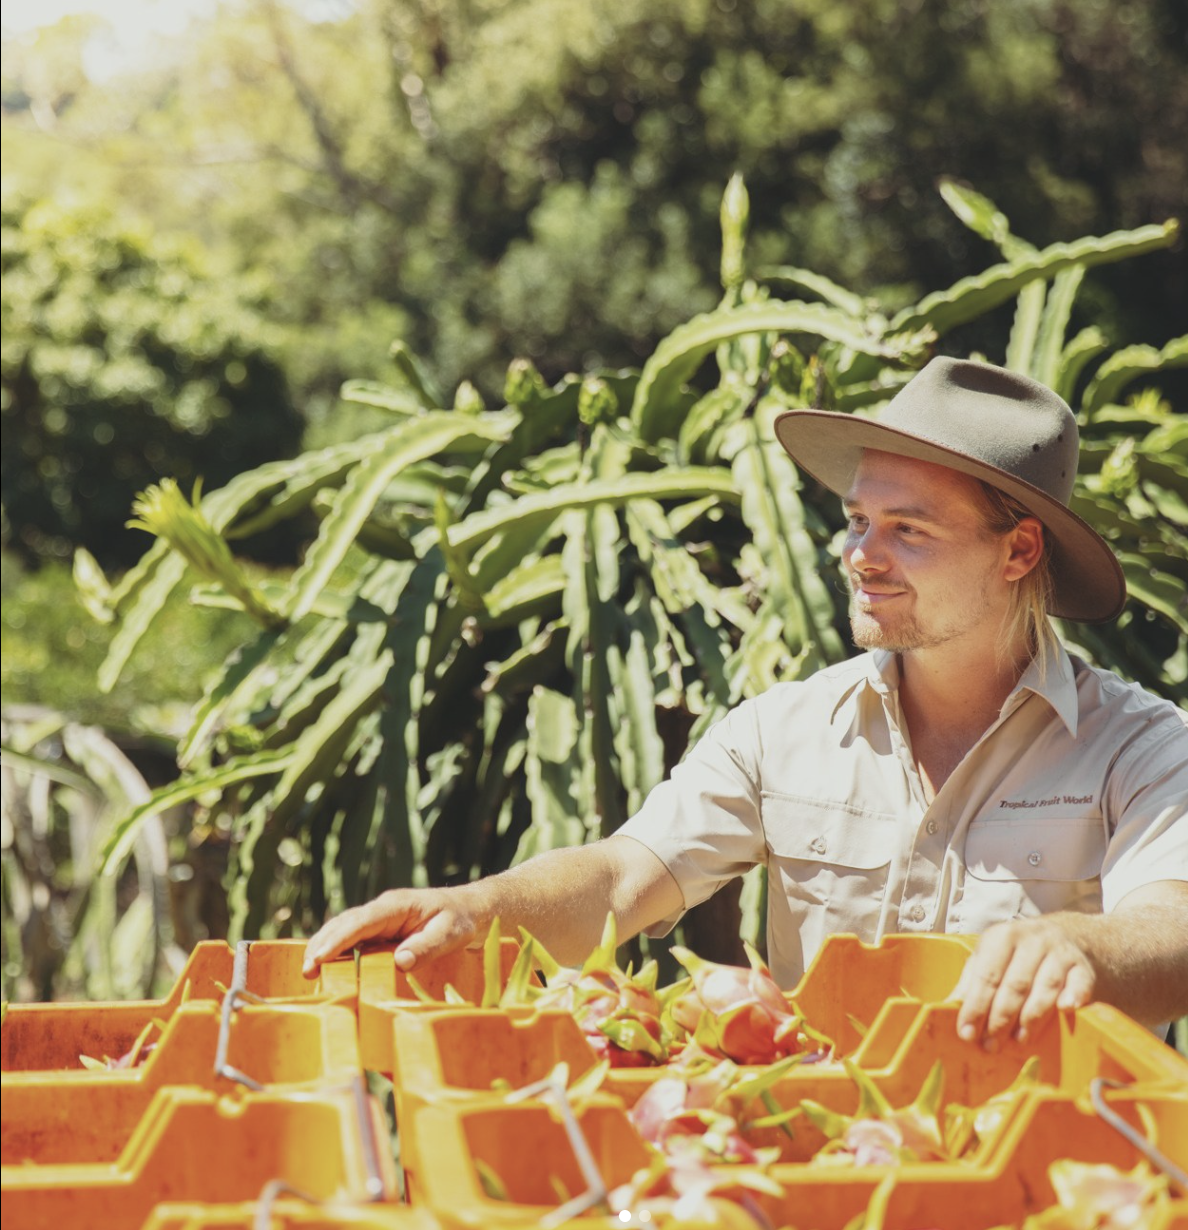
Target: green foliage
{"x":557,"y":595}
{"x":52,"y":651}
{"x":67,"y":929}
{"x":572,"y":216}
{"x":121,"y":362}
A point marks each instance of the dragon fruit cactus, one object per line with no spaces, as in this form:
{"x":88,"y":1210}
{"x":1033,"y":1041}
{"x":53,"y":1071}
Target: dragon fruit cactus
{"x":741,"y":1014}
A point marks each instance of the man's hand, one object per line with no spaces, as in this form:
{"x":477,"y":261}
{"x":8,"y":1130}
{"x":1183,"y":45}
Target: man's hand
{"x":429,"y":922}
{"x":1020,"y":971}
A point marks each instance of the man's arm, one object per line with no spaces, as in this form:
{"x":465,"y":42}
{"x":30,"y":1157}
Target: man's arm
{"x":1135,"y":957}
{"x":561,"y":897}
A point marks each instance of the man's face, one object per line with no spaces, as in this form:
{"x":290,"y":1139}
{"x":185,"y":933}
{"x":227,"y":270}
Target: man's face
{"x":921,"y":568}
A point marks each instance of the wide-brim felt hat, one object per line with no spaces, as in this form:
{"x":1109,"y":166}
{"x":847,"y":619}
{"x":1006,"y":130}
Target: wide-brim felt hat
{"x":992,"y":424}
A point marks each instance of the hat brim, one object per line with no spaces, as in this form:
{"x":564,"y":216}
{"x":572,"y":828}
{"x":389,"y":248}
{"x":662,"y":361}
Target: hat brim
{"x":1088,"y":582}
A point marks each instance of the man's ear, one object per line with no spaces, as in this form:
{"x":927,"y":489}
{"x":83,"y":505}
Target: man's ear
{"x":1026,"y":545}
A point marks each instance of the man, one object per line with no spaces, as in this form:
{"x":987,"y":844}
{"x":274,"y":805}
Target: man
{"x":966,"y":775}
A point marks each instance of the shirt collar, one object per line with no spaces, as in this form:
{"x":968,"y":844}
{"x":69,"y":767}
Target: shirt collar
{"x":879,"y":672}
{"x":1057,"y":685}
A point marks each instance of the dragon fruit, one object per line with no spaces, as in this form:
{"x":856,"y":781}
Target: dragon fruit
{"x":618,"y":1011}
{"x":878,"y":1134}
{"x":740,"y":1014}
{"x":1098,"y":1196}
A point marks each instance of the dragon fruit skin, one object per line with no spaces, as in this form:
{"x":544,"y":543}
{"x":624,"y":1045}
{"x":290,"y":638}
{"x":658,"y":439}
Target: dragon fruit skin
{"x":739,"y":1013}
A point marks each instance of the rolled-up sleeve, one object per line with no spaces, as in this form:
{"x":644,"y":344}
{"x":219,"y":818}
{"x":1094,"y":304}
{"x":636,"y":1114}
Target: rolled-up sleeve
{"x":1148,"y":797}
{"x":704,"y":821}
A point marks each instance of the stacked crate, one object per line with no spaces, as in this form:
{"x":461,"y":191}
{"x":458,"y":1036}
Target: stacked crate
{"x":251,"y":1109}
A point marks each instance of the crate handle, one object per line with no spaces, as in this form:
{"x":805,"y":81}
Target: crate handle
{"x":1159,"y":1160}
{"x":238,"y":992}
{"x":374,"y":1183}
{"x":375,"y":1179}
{"x":551,"y":1090}
{"x":271,"y":1190}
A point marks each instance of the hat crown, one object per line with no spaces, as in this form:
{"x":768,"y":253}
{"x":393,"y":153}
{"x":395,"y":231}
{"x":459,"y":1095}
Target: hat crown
{"x":994,"y":416}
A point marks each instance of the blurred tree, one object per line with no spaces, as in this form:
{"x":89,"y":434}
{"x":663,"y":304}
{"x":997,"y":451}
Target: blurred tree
{"x":121,"y":362}
{"x":542,"y":176}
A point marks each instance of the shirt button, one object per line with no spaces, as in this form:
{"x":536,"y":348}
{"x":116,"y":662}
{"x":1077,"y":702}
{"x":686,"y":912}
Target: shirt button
{"x":1035,"y":858}
{"x":916,"y":913}
{"x":931,"y":826}
{"x":817,"y":845}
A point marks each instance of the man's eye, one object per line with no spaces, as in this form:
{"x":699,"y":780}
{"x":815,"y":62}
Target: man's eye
{"x":857,"y":522}
{"x":909,"y":529}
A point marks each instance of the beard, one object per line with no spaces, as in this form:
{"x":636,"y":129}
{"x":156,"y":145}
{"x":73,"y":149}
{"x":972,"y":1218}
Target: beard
{"x":907,"y":632}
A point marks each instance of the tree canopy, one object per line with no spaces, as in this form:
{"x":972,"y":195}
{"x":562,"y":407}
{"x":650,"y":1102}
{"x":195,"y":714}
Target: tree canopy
{"x":541,"y":177}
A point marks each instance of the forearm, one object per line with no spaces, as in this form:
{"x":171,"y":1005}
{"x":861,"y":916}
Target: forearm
{"x":1139,"y":958}
{"x":1135,"y":957}
{"x":562,"y":897}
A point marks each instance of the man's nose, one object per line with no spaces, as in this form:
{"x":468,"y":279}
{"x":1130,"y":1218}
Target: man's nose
{"x":866,"y":551}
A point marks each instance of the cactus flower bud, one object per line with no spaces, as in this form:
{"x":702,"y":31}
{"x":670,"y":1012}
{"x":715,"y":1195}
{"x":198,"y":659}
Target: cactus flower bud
{"x":524,"y":383}
{"x":468,"y":400}
{"x":597,"y":402}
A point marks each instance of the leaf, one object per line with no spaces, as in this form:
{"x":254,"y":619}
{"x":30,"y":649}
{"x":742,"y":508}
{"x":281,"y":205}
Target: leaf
{"x":92,"y":585}
{"x":239,"y":769}
{"x":1159,"y":591}
{"x":1126,"y":365}
{"x":410,"y":442}
{"x":1049,"y":345}
{"x":681,"y":353}
{"x":552,"y":774}
{"x":491,"y":966}
{"x":240,"y":670}
{"x":817,"y":284}
{"x":674,"y":484}
{"x":382,"y":397}
{"x":1029,"y":313}
{"x":1087,"y":344}
{"x":162,"y":571}
{"x":533,"y":588}
{"x":983,"y":217}
{"x":973,"y":296}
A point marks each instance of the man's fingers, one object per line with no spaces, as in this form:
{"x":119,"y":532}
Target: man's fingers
{"x":1014,"y":988}
{"x":443,"y":933}
{"x":1019,"y":973}
{"x":1048,"y":985}
{"x":980,"y":980}
{"x":383,"y":917}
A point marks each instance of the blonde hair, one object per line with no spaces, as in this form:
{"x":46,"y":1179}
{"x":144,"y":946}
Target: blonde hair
{"x":1033,"y":593}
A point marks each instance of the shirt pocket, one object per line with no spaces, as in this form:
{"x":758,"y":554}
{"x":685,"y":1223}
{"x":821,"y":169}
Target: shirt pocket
{"x":831,"y":863}
{"x":1024,"y":868}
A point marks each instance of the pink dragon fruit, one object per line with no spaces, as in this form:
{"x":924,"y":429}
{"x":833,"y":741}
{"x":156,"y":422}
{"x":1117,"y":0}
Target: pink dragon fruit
{"x":618,"y":1011}
{"x":740,"y":1014}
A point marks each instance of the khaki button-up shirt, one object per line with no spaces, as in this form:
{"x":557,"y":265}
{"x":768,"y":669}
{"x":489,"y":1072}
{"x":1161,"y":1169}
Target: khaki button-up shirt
{"x":1076,"y":796}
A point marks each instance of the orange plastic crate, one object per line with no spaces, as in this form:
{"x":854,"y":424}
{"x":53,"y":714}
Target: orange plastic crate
{"x":385,"y":992}
{"x":849,"y":985}
{"x":1072,"y":1049}
{"x":526,"y":1149}
{"x":525,"y":1146}
{"x":287,"y":1213}
{"x":86,"y":1116}
{"x":1009,"y":1186}
{"x":51,"y":1037}
{"x":193,"y":1146}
